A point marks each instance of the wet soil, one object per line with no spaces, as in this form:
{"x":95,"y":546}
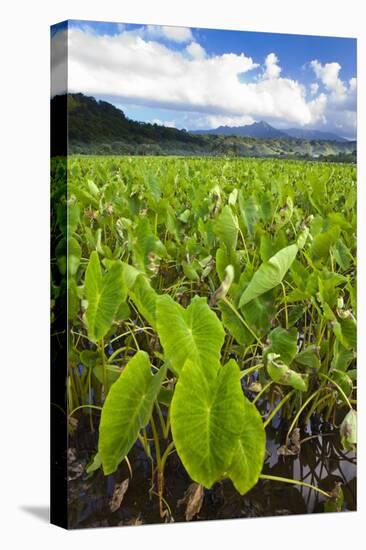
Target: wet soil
{"x":321,"y":462}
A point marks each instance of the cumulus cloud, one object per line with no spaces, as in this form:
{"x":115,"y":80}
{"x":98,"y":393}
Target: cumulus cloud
{"x":328,"y":74}
{"x":339,"y":113}
{"x":166,"y":67}
{"x":141,"y":70}
{"x":195,"y":51}
{"x":175,"y":34}
{"x":273,"y":70}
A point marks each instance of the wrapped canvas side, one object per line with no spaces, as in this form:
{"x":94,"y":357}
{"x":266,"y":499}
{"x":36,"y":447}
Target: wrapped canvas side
{"x":59,"y":248}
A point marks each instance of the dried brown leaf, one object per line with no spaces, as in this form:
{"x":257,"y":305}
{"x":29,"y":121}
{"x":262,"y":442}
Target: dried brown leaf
{"x":193,"y":498}
{"x":118,"y":494}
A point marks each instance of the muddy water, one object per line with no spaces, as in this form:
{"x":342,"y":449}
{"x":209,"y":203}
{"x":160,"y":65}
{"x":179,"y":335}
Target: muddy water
{"x":321,"y":462}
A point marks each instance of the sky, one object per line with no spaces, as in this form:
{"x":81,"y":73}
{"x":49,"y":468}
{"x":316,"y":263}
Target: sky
{"x":197,"y":78}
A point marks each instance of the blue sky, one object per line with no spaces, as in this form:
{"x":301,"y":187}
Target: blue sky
{"x":201,"y":78}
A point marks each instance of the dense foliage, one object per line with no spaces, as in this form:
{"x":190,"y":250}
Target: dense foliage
{"x":199,"y":289}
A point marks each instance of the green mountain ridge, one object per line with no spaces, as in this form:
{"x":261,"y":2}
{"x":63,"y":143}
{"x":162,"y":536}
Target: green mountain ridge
{"x":98,"y":127}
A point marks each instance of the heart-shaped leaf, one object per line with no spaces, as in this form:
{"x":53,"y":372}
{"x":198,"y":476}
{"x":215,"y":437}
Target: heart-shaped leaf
{"x":127,"y":409}
{"x":104,"y":293}
{"x":226,"y":228}
{"x":207,"y":412}
{"x":194,"y":333}
{"x":248,"y":458}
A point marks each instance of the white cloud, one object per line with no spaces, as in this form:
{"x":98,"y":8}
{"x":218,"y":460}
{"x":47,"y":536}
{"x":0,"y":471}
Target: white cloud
{"x":175,"y":34}
{"x":195,"y":51}
{"x":167,"y":123}
{"x":339,"y":112}
{"x":135,"y":69}
{"x":328,"y":74}
{"x":139,"y":67}
{"x":273,"y":70}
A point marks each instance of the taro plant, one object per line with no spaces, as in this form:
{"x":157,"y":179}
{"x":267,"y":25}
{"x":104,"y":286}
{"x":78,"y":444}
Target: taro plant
{"x":206,"y":297}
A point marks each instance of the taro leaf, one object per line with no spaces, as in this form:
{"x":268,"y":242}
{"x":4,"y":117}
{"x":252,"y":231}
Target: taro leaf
{"x":74,"y":256}
{"x":250,"y":450}
{"x":190,"y":272}
{"x":127,"y":409}
{"x":165,"y":396}
{"x":295,"y":313}
{"x":104,"y":294}
{"x":335,"y":503}
{"x":269,"y":274}
{"x":341,"y":357}
{"x":123,"y":312}
{"x":90,"y":358}
{"x":112,"y":371}
{"x":207,"y":412}
{"x":343,"y":381}
{"x":323,"y":241}
{"x":194,"y":333}
{"x":234,"y":325}
{"x":73,"y":301}
{"x":259,"y":313}
{"x":61,"y":255}
{"x":224,"y":258}
{"x":94,"y":464}
{"x":346,"y":332}
{"x":284,"y":343}
{"x":309,"y":357}
{"x":249,"y":211}
{"x":226,"y":228}
{"x":144,"y":297}
{"x":342,"y":255}
{"x":348,"y":430}
{"x":282,"y":374}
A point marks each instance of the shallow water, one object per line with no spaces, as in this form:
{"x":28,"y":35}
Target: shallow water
{"x":321,"y":462}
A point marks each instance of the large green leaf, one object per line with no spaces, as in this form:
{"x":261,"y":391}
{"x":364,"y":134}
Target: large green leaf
{"x":144,"y":298}
{"x":207,"y":412}
{"x":248,"y":458}
{"x":226,"y":228}
{"x":127,"y":409}
{"x":194,"y":333}
{"x":104,"y":293}
{"x":269,"y":274}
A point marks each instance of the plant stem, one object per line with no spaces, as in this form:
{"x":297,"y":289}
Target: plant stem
{"x":297,"y":416}
{"x":262,"y":391}
{"x":105,"y":379}
{"x":338,"y":388}
{"x":294,"y":482}
{"x":85,"y":407}
{"x":251,"y":369}
{"x":277,"y":408}
{"x":285,"y":304}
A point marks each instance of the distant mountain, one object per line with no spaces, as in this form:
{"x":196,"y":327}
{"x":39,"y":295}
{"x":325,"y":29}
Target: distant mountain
{"x":263,"y":130}
{"x":258,"y":130}
{"x":99,"y":128}
{"x":300,"y":133}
